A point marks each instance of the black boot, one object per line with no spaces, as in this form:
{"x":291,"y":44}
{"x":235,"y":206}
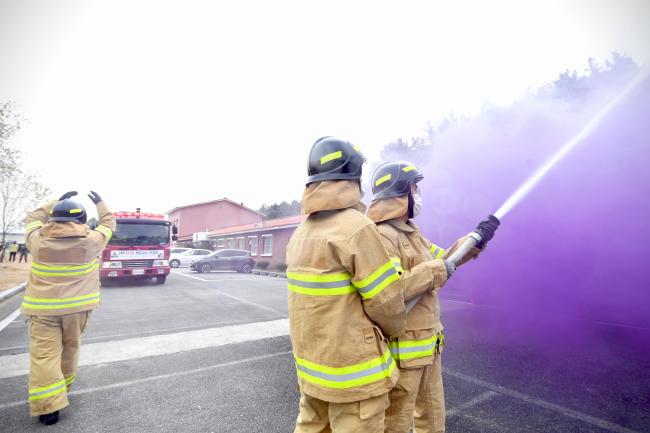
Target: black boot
{"x":49,"y":418}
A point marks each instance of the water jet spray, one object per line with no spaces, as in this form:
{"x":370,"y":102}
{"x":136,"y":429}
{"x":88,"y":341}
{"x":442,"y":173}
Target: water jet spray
{"x":525,"y":188}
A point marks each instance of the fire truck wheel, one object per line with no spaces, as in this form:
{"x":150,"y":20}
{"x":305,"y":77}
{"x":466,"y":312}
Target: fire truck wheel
{"x":160,"y":279}
{"x":174,"y":263}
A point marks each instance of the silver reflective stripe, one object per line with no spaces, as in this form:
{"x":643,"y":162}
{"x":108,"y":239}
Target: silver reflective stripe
{"x":346,"y":376}
{"x":65,"y":271}
{"x":400,"y":350}
{"x":60,"y":301}
{"x":378,"y":281}
{"x":318,"y":285}
{"x":47,"y":391}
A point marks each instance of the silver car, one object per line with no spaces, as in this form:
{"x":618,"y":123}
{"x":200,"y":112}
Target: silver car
{"x":185,"y":258}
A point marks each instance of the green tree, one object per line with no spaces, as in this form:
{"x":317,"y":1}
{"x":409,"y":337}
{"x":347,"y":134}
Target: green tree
{"x":19,"y":191}
{"x":280,"y":210}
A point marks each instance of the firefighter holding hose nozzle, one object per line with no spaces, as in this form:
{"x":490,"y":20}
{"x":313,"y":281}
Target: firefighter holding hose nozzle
{"x":424,"y":268}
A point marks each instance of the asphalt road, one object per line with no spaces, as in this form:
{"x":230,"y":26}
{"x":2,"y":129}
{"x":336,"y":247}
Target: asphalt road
{"x":209,"y":353}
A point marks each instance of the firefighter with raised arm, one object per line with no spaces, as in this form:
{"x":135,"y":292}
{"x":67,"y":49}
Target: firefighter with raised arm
{"x":345,"y":296}
{"x":62,"y":290}
{"x":423,"y":267}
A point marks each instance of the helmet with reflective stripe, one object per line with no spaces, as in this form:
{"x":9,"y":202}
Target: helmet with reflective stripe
{"x":68,"y":210}
{"x":393,"y":179}
{"x":331,"y":158}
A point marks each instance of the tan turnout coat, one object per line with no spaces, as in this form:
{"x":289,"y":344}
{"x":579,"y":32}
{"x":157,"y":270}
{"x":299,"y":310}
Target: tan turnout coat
{"x":344,"y":296}
{"x":422,"y":271}
{"x":64,"y":278}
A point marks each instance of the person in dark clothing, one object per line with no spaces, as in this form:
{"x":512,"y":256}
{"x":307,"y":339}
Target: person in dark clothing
{"x":22,"y":250}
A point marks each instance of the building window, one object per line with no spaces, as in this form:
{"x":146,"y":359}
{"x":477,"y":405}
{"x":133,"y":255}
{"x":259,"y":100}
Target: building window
{"x":252,"y":245}
{"x":267,"y":245}
{"x":241,"y":242}
{"x":231,"y":242}
{"x":221,"y":243}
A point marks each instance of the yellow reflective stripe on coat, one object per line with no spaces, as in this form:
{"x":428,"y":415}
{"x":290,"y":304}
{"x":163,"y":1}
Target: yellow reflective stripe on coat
{"x":320,"y":284}
{"x":63,"y":271}
{"x":346,"y":377}
{"x":437,"y":251}
{"x":397,"y":263}
{"x":33,"y":226}
{"x":47,"y":391}
{"x":51,"y":304}
{"x":108,"y":233}
{"x":377,"y":281}
{"x":409,"y":349}
{"x":331,"y":157}
{"x":70,"y":379}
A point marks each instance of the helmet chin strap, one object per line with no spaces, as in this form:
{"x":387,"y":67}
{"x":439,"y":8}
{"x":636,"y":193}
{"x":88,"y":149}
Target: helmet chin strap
{"x":410,"y":205}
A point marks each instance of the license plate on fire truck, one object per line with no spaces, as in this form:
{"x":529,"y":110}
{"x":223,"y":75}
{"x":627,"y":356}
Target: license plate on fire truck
{"x":138,"y":272}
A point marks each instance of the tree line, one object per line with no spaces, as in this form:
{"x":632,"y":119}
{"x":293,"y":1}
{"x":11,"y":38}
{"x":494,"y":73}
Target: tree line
{"x":280,"y":210}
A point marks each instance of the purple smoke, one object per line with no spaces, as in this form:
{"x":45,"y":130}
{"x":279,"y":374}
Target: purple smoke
{"x":574,"y":250}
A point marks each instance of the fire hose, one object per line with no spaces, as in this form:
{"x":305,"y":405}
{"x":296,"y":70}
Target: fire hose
{"x":457,"y":256}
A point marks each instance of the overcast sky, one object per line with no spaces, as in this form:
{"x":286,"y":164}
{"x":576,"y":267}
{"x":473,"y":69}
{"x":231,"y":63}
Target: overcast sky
{"x":158,"y":104}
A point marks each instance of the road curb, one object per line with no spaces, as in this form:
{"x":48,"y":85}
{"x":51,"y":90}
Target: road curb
{"x":269,"y":273}
{"x":11,"y":292}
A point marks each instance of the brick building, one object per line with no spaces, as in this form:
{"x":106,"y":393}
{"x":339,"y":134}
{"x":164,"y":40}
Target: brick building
{"x":209,"y":216}
{"x":266,"y":240}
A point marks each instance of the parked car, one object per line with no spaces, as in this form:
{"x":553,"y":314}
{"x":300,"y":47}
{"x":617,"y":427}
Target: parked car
{"x":225,"y":260}
{"x":185,"y":258}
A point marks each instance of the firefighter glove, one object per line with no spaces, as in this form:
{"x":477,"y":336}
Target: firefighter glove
{"x":68,"y":195}
{"x":486,"y":229}
{"x":94,"y":197}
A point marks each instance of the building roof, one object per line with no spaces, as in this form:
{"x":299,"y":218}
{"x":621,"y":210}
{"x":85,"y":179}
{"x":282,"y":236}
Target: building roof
{"x":274,"y":224}
{"x":225,"y":199}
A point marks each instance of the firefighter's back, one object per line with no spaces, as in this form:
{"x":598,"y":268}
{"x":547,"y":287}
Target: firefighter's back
{"x":329,"y":327}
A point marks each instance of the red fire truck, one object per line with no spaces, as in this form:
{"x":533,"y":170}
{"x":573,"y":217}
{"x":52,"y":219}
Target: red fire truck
{"x":139,"y":247}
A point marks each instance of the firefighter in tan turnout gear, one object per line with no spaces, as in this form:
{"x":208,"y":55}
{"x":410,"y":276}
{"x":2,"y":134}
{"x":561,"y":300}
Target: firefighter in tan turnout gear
{"x":62,"y":290}
{"x":419,"y":395}
{"x":345,"y":297}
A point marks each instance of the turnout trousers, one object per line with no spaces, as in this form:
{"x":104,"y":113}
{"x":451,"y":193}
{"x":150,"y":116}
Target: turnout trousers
{"x":418,"y":397}
{"x":318,"y":416}
{"x":53,"y":356}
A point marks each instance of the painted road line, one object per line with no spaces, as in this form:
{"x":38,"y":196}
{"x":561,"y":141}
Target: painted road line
{"x":471,"y":403}
{"x":111,"y":337}
{"x":456,"y":301}
{"x":601,"y":423}
{"x":221,"y":279}
{"x":156,"y":378}
{"x":244,"y":301}
{"x":241,"y":279}
{"x":188,"y":276}
{"x":10,"y":318}
{"x":135,"y":348}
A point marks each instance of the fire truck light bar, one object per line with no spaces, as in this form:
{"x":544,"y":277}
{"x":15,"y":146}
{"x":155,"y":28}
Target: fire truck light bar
{"x":146,"y":215}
